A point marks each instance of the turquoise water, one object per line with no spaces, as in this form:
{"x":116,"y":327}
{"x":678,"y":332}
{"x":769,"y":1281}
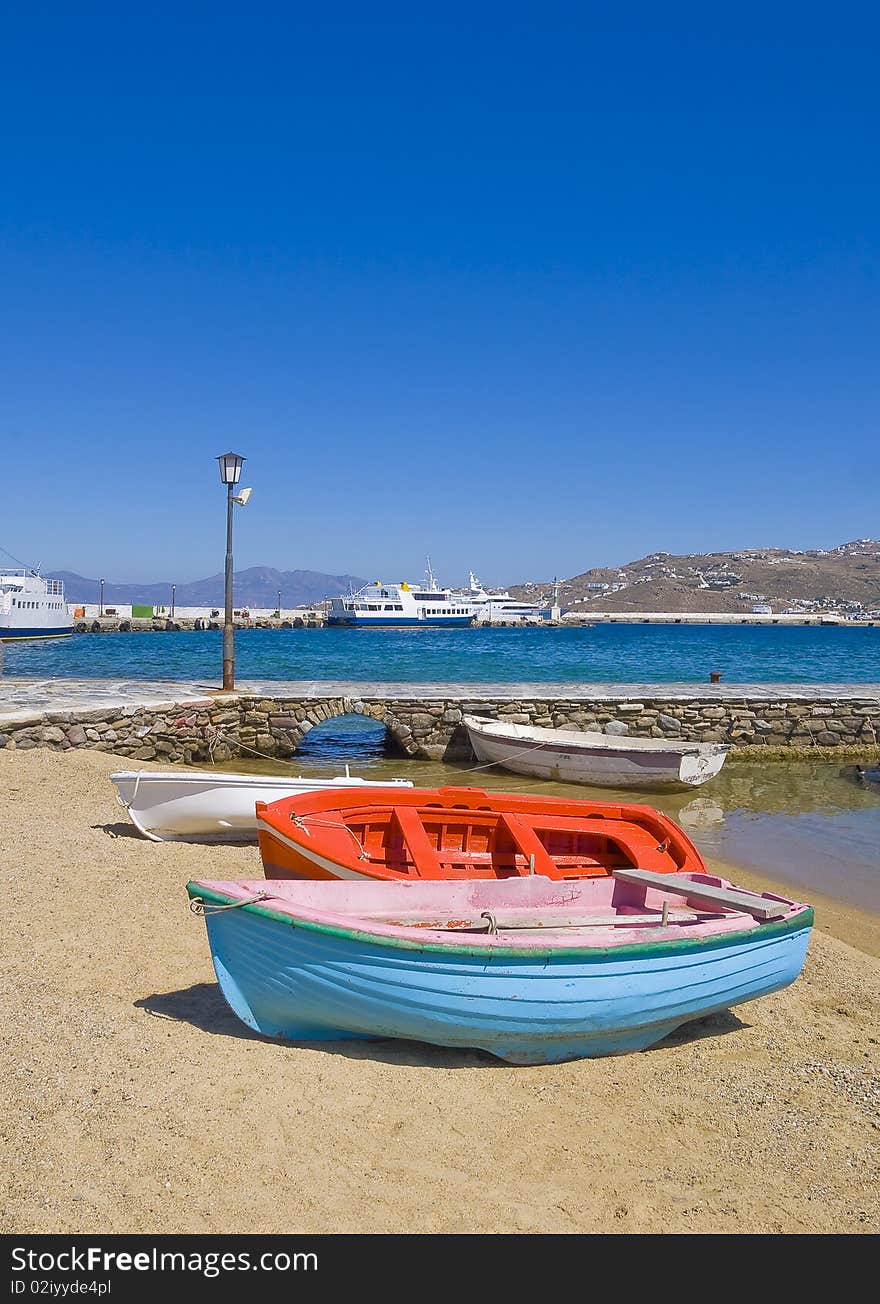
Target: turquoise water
{"x":604,"y":653}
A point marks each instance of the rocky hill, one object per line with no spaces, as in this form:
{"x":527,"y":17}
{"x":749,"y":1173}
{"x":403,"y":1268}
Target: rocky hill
{"x":844,"y":580}
{"x":256,"y":587}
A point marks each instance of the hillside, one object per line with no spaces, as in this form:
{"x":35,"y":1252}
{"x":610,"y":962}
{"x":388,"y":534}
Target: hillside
{"x":845,"y":579}
{"x":256,"y":587}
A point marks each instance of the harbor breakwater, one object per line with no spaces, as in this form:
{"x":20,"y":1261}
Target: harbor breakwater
{"x":197,"y":624}
{"x":314,"y":620}
{"x":426,"y":721}
{"x":318,"y":620}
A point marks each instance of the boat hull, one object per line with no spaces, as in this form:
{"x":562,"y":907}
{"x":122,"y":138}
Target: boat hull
{"x":283,"y":858}
{"x":598,"y":765}
{"x":452,"y":834}
{"x":319,"y":983}
{"x":389,"y":622}
{"x":9,"y":634}
{"x":195,"y":806}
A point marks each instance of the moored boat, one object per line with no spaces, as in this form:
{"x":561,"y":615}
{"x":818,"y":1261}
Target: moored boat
{"x":462,"y":833}
{"x":602,"y":760}
{"x":212,"y":806}
{"x":530,"y":970}
{"x":496,"y":606}
{"x":32,"y":606}
{"x":380,"y":606}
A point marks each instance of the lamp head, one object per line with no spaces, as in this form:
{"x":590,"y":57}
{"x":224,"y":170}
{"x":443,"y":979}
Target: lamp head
{"x":230,"y":467}
{"x":242,"y":498}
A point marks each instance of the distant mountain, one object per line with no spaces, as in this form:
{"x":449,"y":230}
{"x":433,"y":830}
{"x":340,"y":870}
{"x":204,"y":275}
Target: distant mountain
{"x":845,"y":579}
{"x":256,"y":587}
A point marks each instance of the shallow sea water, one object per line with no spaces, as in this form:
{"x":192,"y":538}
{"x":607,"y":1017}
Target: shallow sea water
{"x":812,"y":825}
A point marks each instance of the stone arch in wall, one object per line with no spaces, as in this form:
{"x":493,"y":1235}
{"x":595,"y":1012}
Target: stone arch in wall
{"x":318,"y":712}
{"x":400,"y":734}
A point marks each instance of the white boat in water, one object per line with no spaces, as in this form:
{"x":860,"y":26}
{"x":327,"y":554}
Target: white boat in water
{"x":496,"y":606}
{"x":379,"y":605}
{"x":601,"y":760}
{"x":212,"y":806}
{"x":32,"y":607}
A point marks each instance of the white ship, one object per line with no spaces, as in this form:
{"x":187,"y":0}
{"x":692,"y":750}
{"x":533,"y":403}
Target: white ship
{"x":32,"y":607}
{"x":498,"y":606}
{"x":380,"y":605}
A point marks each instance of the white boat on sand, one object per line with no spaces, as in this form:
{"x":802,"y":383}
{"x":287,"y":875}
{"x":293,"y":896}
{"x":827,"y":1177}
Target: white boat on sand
{"x":602,"y":760}
{"x":212,"y":806}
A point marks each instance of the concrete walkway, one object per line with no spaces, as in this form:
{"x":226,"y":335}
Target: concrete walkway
{"x":22,"y":699}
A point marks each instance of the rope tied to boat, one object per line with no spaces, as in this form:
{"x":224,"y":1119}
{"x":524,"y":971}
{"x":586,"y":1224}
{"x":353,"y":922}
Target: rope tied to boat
{"x":300,"y":822}
{"x":523,"y":751}
{"x":813,"y":738}
{"x":198,"y":907}
{"x":128,"y":806}
{"x":220,"y":736}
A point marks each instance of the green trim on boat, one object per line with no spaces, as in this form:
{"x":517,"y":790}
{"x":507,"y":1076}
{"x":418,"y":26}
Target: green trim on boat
{"x":641,"y":950}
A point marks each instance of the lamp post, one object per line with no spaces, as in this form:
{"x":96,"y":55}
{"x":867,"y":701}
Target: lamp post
{"x":173,"y":587}
{"x":279,"y":604}
{"x":230,"y":474}
{"x":101,"y":603}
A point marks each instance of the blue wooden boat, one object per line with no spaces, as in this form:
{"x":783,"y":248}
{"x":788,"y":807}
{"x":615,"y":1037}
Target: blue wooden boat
{"x":531,"y":970}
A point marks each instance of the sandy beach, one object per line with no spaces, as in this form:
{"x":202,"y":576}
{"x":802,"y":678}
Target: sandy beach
{"x":134,"y":1101}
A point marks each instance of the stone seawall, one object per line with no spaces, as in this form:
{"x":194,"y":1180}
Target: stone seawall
{"x":180,"y":624}
{"x":218,"y":728}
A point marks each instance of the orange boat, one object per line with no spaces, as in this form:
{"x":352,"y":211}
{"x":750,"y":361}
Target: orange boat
{"x":463,"y":833}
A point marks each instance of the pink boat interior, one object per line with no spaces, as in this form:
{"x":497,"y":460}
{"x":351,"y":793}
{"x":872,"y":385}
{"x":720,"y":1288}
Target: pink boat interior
{"x":522,"y":912}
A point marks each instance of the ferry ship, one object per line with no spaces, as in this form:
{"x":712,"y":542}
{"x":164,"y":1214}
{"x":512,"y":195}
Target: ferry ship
{"x":380,"y":605}
{"x":32,"y":607}
{"x":498,"y":606}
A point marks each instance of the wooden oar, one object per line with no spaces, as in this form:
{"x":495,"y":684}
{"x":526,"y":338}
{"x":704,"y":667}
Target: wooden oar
{"x":729,"y":898}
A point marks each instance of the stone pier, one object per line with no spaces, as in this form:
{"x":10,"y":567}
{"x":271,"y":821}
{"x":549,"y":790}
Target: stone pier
{"x":194,"y":723}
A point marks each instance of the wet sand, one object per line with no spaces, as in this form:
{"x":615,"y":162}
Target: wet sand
{"x":134,"y":1101}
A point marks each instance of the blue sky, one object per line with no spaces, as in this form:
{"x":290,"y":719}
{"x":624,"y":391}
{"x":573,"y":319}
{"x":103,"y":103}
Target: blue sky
{"x":528,"y":287}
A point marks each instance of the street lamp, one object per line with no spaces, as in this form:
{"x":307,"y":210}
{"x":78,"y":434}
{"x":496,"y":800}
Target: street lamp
{"x":279,"y":604}
{"x":101,"y":606}
{"x":230,"y":474}
{"x":173,"y":587}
